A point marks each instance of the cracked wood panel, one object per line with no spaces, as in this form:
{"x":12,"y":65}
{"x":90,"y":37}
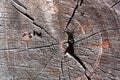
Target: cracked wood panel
{"x":33,"y":39}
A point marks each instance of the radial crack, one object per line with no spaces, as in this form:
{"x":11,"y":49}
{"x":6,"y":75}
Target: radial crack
{"x":81,"y":2}
{"x":115,"y":4}
{"x":20,"y":4}
{"x":87,"y":77}
{"x":70,"y":49}
{"x":43,"y":46}
{"x":62,"y":69}
{"x":32,"y":19}
{"x":44,"y":68}
{"x":43,"y":29}
{"x":25,"y":14}
{"x":78,"y":2}
{"x":95,"y":34}
{"x":105,"y":72}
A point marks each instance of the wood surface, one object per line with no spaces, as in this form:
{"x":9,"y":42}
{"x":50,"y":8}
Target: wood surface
{"x":36,"y":39}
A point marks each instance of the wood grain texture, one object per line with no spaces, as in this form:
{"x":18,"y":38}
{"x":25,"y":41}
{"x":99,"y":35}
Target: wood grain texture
{"x":96,"y":27}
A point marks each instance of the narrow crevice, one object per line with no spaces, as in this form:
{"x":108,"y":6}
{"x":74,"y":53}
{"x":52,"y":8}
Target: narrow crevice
{"x":115,"y":4}
{"x":87,"y":77}
{"x":62,"y":69}
{"x":95,"y":34}
{"x":43,"y":46}
{"x":79,"y":60}
{"x":81,"y":2}
{"x":70,"y":49}
{"x":25,"y":14}
{"x":9,"y":49}
{"x":44,"y":30}
{"x":77,"y":5}
{"x":105,"y":72}
{"x":20,"y":4}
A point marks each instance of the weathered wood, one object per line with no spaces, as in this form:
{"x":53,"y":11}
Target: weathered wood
{"x":33,"y":39}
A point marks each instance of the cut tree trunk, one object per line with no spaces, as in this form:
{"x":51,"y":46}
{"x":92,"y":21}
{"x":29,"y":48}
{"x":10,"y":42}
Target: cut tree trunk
{"x":34,"y":36}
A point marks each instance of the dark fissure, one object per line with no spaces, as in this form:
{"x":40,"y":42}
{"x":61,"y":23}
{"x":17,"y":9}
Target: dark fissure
{"x":70,"y":50}
{"x":70,"y":41}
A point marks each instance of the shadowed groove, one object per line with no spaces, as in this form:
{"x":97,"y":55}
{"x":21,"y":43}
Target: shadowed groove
{"x":115,"y":4}
{"x":20,"y":4}
{"x":77,"y":5}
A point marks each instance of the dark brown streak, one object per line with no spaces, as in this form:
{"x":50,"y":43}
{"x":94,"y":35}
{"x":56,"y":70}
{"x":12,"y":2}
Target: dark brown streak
{"x":115,"y":4}
{"x":74,"y":12}
{"x":20,"y":4}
